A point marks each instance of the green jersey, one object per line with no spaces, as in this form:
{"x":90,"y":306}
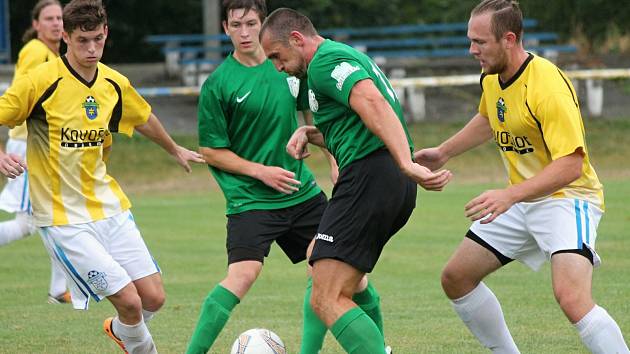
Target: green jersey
{"x":333,"y":71}
{"x":252,"y":112}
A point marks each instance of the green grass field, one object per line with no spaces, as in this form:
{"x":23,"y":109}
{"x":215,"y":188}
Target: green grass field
{"x":181,"y":218}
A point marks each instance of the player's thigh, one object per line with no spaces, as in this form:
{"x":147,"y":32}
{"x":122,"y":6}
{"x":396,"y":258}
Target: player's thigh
{"x":91,"y":271}
{"x":305,"y":218}
{"x":251,"y":233}
{"x":332,"y":278}
{"x":565,"y":226}
{"x":127,"y":246}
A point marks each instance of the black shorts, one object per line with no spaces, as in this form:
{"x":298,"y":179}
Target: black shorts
{"x":250,"y":233}
{"x":371,"y":201}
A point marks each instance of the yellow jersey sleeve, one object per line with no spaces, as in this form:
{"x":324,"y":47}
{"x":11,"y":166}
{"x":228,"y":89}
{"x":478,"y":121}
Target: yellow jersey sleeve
{"x":17,"y":102}
{"x":135,"y":110}
{"x":561,"y":125}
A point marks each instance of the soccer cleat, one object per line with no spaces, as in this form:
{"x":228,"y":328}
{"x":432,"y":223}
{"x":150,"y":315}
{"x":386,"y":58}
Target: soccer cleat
{"x":107,"y":327}
{"x":61,"y":299}
{"x":388,"y":350}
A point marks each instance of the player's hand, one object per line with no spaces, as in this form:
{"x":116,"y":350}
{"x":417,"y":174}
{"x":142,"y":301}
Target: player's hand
{"x":432,"y":158}
{"x":489,"y":205}
{"x":431,"y":181}
{"x":278,"y":178}
{"x":11,"y":165}
{"x":183,"y":156}
{"x":297,"y":146}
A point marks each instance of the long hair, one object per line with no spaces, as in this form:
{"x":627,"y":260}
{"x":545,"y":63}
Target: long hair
{"x":31,"y":33}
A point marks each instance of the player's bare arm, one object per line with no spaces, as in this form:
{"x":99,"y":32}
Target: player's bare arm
{"x":473,"y":134}
{"x":275,"y":177}
{"x":332,"y":162}
{"x":367,"y":101}
{"x":154,"y":130}
{"x":298,"y":143}
{"x":556,"y":175}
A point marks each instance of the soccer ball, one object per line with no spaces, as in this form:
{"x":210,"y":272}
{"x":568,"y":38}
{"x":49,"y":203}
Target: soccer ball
{"x":258,"y":341}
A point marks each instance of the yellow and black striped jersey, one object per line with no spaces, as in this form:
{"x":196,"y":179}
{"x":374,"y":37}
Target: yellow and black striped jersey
{"x":536,"y":119}
{"x":33,"y":53}
{"x":69,"y":120}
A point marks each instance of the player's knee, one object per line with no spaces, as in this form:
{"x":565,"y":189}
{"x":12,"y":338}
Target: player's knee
{"x":569,"y":299}
{"x":245,"y":276}
{"x":454,"y":283}
{"x":154,"y":301}
{"x":128,"y":302}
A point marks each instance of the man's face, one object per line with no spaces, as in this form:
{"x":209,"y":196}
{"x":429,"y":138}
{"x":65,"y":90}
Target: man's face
{"x":49,"y":24}
{"x":491,"y":53}
{"x":287,"y":58}
{"x":243,"y":27}
{"x":86,"y":46}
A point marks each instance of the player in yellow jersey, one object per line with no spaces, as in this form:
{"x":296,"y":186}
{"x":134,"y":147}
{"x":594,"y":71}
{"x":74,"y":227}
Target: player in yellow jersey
{"x":70,"y":106}
{"x":41,"y":45}
{"x":554,"y":201}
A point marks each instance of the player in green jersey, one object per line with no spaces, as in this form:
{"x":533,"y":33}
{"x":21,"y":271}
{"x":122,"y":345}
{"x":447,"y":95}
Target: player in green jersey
{"x":247,"y":113}
{"x":359,"y":119}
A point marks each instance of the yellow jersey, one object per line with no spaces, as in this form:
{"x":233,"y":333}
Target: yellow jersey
{"x":535,"y":118}
{"x":69,"y":120}
{"x":33,"y":53}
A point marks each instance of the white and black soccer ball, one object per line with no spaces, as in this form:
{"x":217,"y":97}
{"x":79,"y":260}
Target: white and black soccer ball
{"x":258,"y":341}
{"x":90,"y":99}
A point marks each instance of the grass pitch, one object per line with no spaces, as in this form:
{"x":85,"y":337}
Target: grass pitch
{"x":181,"y":218}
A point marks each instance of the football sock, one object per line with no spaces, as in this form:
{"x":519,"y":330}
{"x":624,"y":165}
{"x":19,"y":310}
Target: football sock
{"x":57,"y":279}
{"x":16,"y":229}
{"x":313,"y":330}
{"x":148,"y":315}
{"x":481,"y":312}
{"x":600,"y":333}
{"x":357,"y":333}
{"x":136,"y":337}
{"x":370,"y":302}
{"x":215,"y":313}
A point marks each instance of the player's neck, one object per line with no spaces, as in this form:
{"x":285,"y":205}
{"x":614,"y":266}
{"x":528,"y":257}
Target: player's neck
{"x":53,"y":46}
{"x":86,"y":72}
{"x":515,"y":61}
{"x":254,"y":58}
{"x":311,"y":47}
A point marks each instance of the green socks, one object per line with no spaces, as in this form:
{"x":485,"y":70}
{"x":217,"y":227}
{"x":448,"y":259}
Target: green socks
{"x":369,"y":301}
{"x":314,"y":330}
{"x":215,"y":313}
{"x":357,"y":333}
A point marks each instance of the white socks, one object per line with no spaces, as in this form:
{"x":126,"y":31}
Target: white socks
{"x":600,"y":333}
{"x":16,"y":229}
{"x":147,"y":315}
{"x":136,"y":337}
{"x":481,"y":312}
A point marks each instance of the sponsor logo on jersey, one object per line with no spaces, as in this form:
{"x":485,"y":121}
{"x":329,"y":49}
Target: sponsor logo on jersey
{"x":518,"y":144}
{"x":97,"y":280}
{"x":241,"y":99}
{"x":341,"y":73}
{"x":91,"y":107}
{"x":312,"y":101}
{"x":294,"y":85}
{"x":78,"y":138}
{"x":501,"y":109}
{"x":324,"y":237}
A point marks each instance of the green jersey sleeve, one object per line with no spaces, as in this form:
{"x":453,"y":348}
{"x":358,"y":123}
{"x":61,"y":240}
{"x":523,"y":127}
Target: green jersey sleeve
{"x":212,"y":121}
{"x":335,"y":76}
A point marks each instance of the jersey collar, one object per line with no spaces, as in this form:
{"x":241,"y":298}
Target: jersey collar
{"x":518,"y":73}
{"x":76,"y":74}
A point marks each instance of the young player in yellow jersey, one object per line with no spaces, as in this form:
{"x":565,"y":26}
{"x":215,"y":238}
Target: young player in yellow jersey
{"x":554,"y":200}
{"x":70,"y":106}
{"x":41,"y":45}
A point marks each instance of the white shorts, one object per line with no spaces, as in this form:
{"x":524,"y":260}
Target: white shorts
{"x":99,"y":258}
{"x":14,"y":197}
{"x":532,"y":232}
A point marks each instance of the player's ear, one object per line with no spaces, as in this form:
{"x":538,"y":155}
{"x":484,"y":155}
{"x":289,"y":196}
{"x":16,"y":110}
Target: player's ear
{"x":296,"y":38}
{"x":105,"y":30}
{"x":65,"y":36}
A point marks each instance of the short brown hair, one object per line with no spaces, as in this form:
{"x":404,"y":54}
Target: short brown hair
{"x":86,"y":15}
{"x":37,"y":9}
{"x":257,"y":6}
{"x":506,"y":16}
{"x":283,"y":21}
